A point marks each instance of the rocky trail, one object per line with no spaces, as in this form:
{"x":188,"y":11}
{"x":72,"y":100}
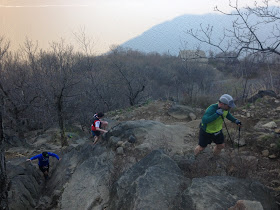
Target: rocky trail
{"x":144,"y":162}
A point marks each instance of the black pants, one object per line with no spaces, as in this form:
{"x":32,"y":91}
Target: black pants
{"x":44,"y":168}
{"x":207,"y":138}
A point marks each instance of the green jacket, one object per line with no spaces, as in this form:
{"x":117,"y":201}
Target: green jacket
{"x":212,"y":122}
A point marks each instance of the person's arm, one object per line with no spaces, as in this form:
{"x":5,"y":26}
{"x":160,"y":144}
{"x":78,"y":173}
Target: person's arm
{"x":230,"y":117}
{"x":233,"y":119}
{"x":54,"y":155}
{"x":101,"y":130}
{"x":97,"y":127}
{"x":210,"y":115}
{"x":35,"y":157}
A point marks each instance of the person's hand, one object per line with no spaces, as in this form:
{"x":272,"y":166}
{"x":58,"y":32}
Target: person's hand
{"x":28,"y":160}
{"x":237,"y":122}
{"x":220,"y":112}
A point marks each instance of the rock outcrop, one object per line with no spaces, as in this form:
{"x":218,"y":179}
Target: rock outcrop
{"x":261,"y":94}
{"x":143,"y":164}
{"x":153,"y":183}
{"x":222,"y":192}
{"x":25,"y":184}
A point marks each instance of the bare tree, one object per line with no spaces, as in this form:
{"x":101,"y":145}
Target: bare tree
{"x":246,"y":70}
{"x":18,"y":90}
{"x":40,"y":110}
{"x":59,"y":80}
{"x":3,"y":175}
{"x":244,"y":35}
{"x":95,"y":97}
{"x":130,"y":76}
{"x":195,"y":77}
{"x":132,"y":93}
{"x":4,"y":46}
{"x":85,"y":43}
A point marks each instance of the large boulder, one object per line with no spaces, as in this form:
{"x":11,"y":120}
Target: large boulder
{"x":181,"y":112}
{"x":81,"y":180}
{"x":261,"y":94}
{"x":222,"y":192}
{"x":155,"y":134}
{"x":14,"y":141}
{"x":153,"y":183}
{"x":89,"y":185}
{"x":25,"y":184}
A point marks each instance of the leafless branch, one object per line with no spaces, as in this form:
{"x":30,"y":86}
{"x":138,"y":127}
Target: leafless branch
{"x":244,"y":34}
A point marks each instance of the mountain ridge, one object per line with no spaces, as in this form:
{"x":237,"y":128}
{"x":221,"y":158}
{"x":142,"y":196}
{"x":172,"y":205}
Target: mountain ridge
{"x":171,"y":36}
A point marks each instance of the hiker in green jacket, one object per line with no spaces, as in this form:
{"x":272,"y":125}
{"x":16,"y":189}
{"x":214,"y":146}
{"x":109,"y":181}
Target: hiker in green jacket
{"x":212,"y":123}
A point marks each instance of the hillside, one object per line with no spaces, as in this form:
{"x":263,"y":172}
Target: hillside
{"x":144,"y":159}
{"x":171,"y":37}
{"x":255,"y":138}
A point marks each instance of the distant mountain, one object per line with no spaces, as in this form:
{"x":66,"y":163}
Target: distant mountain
{"x":171,"y":37}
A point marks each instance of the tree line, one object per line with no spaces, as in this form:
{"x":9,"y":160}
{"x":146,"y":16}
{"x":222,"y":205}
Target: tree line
{"x":41,"y":88}
{"x":59,"y":86}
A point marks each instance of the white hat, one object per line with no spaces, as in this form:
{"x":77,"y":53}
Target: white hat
{"x":227,"y":99}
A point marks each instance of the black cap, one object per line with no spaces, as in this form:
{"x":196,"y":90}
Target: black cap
{"x":45,"y":154}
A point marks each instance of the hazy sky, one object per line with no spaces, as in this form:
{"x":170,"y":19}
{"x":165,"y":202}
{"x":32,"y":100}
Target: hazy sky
{"x":107,"y":22}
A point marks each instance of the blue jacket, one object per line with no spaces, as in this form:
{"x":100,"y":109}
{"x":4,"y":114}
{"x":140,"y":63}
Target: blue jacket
{"x":44,"y":161}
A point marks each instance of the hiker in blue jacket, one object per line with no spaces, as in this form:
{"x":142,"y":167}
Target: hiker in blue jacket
{"x":43,"y":162}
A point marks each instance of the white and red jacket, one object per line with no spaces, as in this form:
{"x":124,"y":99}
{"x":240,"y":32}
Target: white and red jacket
{"x":96,"y":124}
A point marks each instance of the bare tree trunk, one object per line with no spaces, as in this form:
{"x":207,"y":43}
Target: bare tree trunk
{"x":15,"y":111}
{"x":3,"y":175}
{"x":61,"y":121}
{"x":18,"y":122}
{"x":270,"y":76}
{"x":133,"y":95}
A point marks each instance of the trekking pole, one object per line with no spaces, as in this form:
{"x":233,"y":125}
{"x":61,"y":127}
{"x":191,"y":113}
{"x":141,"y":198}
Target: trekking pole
{"x":228,"y":132}
{"x":238,"y":138}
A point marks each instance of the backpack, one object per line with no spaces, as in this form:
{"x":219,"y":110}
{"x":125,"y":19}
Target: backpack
{"x":95,"y":118}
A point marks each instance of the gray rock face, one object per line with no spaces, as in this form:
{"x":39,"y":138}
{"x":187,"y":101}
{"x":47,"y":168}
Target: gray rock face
{"x":24,"y":185}
{"x":84,"y":176}
{"x":261,"y":94}
{"x":13,"y":141}
{"x":153,"y":183}
{"x":152,"y":135}
{"x":132,"y":139}
{"x":88,"y":186}
{"x":113,"y":141}
{"x":247,"y":205}
{"x":222,"y":192}
{"x":96,"y":177}
{"x":181,"y":112}
{"x":81,"y":179}
{"x":127,"y":129}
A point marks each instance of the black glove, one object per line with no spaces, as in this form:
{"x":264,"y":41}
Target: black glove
{"x":220,"y":112}
{"x":237,"y":122}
